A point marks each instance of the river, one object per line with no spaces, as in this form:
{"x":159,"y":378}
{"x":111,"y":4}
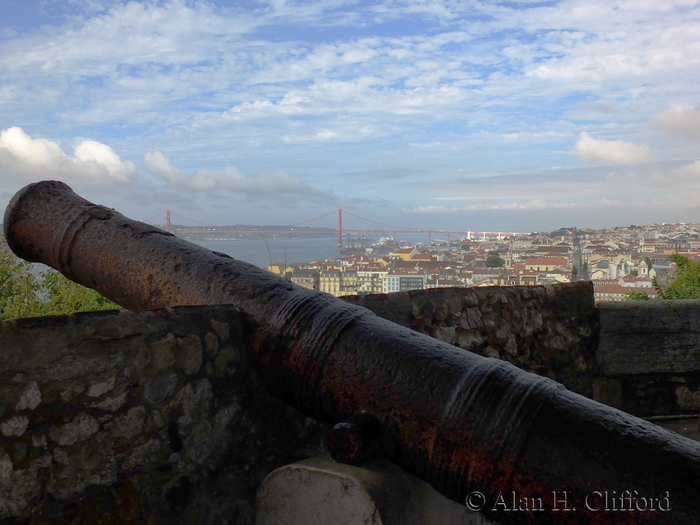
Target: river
{"x":288,"y":251}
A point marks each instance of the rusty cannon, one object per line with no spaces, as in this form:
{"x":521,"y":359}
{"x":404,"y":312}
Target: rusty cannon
{"x":518,"y":447}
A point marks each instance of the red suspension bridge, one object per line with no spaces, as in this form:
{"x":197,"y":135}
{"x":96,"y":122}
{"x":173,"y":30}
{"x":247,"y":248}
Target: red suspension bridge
{"x":377,"y":228}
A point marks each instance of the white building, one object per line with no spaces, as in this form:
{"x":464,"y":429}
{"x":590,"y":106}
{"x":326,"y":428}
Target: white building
{"x":402,"y":280}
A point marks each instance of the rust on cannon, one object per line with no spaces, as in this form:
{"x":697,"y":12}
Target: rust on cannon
{"x":480,"y":430}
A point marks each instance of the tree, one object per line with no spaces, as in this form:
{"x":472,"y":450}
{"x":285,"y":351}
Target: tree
{"x":65,"y":296}
{"x":561,"y":232}
{"x":19,"y":286}
{"x":493,"y":260}
{"x":685,"y":285}
{"x":26,"y":291}
{"x":637,"y":296}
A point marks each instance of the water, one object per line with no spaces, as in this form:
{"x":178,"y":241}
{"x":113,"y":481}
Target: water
{"x":288,"y":251}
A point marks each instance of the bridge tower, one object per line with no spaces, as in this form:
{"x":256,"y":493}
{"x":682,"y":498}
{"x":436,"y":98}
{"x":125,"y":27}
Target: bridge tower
{"x":340,"y":227}
{"x":168,"y":224}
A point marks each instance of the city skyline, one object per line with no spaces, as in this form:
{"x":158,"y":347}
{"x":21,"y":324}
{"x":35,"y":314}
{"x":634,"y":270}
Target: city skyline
{"x":498,"y":115}
{"x":355,"y":224}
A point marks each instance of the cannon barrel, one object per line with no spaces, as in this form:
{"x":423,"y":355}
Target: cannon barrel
{"x":518,"y":446}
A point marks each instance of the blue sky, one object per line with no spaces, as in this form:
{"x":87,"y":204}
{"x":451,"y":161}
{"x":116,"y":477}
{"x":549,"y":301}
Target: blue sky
{"x":471,"y":115}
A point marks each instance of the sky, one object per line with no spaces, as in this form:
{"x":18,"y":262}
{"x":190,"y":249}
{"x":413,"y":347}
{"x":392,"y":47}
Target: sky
{"x":517,"y":115}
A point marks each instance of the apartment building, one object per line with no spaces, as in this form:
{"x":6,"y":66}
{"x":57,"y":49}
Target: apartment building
{"x":306,"y":278}
{"x":402,"y":280}
{"x":337,"y":282}
{"x":371,"y":281}
{"x":444,"y":282}
{"x":330,"y":281}
{"x":406,"y":254}
{"x":545,"y":264}
{"x":616,"y":292}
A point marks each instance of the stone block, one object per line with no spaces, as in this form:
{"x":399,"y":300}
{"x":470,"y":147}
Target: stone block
{"x":79,"y":429}
{"x":30,"y":398}
{"x":163,"y":353}
{"x":14,"y":426}
{"x":157,"y":389}
{"x":189,"y":354}
{"x":97,"y":389}
{"x":226,"y":361}
{"x":211,"y":343}
{"x":221,"y":329}
{"x":319,"y":491}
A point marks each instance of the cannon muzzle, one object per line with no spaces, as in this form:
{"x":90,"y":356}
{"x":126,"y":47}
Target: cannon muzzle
{"x":516,"y":446}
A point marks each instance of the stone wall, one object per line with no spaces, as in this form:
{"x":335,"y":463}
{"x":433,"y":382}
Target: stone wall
{"x":138,"y":417}
{"x":648,"y":356}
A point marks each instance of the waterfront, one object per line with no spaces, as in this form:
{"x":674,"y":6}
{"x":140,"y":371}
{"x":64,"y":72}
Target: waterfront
{"x":262,"y":253}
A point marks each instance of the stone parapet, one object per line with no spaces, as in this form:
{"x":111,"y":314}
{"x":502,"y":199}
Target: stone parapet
{"x":649,"y":351}
{"x":135,"y":417}
{"x":549,"y":330}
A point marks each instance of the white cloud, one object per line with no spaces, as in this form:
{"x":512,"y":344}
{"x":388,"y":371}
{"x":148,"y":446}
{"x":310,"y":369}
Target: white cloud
{"x":537,"y":204}
{"x":611,"y":151}
{"x":262,"y":183}
{"x":159,"y":165}
{"x":92,"y":163}
{"x":434,"y":209}
{"x":680,"y":120}
{"x":172,"y":31}
{"x":562,"y":189}
{"x":690,"y":171}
